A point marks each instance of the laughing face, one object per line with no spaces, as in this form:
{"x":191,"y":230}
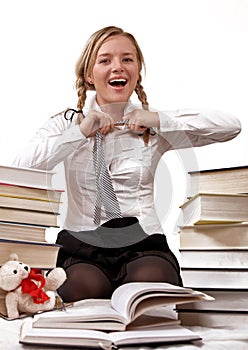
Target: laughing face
{"x":115,"y":71}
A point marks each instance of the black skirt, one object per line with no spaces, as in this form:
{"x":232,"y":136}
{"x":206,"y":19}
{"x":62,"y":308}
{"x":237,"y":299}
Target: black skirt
{"x":112,"y":261}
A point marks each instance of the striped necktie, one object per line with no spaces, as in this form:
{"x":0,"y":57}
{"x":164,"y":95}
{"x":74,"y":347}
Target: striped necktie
{"x":104,"y":188}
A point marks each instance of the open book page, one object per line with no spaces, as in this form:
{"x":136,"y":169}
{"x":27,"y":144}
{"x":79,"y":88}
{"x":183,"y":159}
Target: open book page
{"x":150,"y":322}
{"x":99,"y":315}
{"x":90,"y":338}
{"x":134,"y":299}
{"x":128,"y":302}
{"x":88,"y":313}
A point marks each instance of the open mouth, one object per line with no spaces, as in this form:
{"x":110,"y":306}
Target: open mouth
{"x":118,"y":82}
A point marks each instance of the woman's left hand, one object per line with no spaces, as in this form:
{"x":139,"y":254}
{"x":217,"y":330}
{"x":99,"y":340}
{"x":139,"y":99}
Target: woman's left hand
{"x":139,"y":120}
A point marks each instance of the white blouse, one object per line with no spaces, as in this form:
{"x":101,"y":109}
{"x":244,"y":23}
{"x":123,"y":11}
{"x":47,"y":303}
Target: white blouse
{"x":131,"y":163}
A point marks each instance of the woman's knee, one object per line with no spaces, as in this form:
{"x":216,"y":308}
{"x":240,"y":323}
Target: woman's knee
{"x":85,"y":281}
{"x":151,"y":269}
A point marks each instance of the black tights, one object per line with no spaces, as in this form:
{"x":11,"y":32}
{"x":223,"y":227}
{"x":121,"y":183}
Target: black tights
{"x":88,"y":281}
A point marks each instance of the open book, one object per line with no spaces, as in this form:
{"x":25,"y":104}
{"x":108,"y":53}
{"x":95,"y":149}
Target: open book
{"x":130,"y":307}
{"x":96,"y":339}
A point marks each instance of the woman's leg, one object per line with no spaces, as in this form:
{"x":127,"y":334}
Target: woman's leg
{"x":151,"y":269}
{"x":85,"y":281}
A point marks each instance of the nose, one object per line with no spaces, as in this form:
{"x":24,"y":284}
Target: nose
{"x":117,"y":65}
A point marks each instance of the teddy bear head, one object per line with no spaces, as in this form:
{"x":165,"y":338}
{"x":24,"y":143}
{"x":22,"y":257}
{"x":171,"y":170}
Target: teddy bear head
{"x":12,"y":273}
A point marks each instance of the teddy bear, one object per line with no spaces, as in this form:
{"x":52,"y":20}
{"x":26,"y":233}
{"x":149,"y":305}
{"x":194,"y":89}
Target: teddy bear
{"x":27,"y":290}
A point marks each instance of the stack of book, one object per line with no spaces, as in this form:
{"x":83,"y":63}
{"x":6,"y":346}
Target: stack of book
{"x":214,"y":246}
{"x":131,"y":317}
{"x":28,"y":206}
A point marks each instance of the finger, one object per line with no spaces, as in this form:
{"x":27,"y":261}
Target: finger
{"x":105,"y":130}
{"x":105,"y":120}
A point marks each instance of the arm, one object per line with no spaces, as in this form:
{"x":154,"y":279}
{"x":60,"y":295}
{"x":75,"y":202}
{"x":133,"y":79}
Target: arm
{"x":60,"y":137}
{"x":52,"y":143}
{"x":186,"y":128}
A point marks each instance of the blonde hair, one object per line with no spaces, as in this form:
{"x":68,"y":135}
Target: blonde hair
{"x":87,"y":60}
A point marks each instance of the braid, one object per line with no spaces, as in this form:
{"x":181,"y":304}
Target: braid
{"x":141,"y":93}
{"x":81,"y":91}
{"x":143,"y":99}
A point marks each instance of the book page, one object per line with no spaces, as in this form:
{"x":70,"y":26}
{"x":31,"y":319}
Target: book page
{"x":62,"y":337}
{"x":98,"y":310}
{"x":131,"y":293}
{"x":173,"y":333}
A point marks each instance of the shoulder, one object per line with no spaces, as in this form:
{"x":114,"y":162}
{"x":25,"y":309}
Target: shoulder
{"x":65,"y":118}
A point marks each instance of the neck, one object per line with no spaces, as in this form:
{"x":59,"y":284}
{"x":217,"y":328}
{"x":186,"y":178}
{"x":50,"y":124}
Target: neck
{"x":115,"y":110}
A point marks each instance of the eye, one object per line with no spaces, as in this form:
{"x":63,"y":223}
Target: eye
{"x":104,"y":60}
{"x":15,"y":272}
{"x":127,"y":59}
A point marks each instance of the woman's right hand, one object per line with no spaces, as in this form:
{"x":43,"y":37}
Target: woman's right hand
{"x":95,"y":121}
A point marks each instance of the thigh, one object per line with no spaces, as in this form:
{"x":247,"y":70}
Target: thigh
{"x":85,"y":280}
{"x":151,"y":268}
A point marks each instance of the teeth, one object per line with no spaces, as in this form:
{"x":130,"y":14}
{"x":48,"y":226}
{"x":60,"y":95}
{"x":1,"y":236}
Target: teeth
{"x":118,"y":81}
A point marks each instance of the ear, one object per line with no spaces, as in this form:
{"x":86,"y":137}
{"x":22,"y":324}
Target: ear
{"x":13,"y":257}
{"x":90,"y":80}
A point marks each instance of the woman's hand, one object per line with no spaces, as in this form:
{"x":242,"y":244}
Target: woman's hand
{"x":95,"y":121}
{"x":139,"y":120}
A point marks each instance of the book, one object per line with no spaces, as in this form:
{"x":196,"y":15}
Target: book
{"x":3,"y":310}
{"x":212,"y":319}
{"x":215,"y":278}
{"x":128,"y":302}
{"x":26,"y":177}
{"x":224,"y":300}
{"x":214,"y":258}
{"x":223,"y":180}
{"x":31,"y":192}
{"x":148,"y":320}
{"x":224,"y":236}
{"x":32,"y":217}
{"x":207,"y":208}
{"x":23,"y":232}
{"x":97,"y":339}
{"x":41,"y":255}
{"x":18,"y":202}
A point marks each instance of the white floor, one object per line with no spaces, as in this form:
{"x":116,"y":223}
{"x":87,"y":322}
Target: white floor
{"x":212,"y":339}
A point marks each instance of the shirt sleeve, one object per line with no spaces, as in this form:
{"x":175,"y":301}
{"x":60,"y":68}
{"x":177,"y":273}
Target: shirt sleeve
{"x":192,"y":128}
{"x":53,"y":142}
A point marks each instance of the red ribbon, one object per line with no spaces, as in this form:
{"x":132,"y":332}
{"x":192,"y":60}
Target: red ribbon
{"x":35,"y":289}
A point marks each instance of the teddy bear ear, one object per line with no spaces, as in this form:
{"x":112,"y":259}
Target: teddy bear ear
{"x":13,"y":257}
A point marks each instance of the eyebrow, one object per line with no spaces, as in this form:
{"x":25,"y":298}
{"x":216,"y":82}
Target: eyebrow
{"x":124,"y":54}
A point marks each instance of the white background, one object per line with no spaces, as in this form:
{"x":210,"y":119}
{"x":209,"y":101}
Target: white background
{"x":196,"y":53}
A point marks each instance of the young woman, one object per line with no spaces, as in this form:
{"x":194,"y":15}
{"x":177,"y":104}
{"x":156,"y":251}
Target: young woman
{"x":100,"y":252}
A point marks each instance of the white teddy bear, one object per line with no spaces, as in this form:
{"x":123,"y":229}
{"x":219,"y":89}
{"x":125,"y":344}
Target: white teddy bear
{"x":27,"y":290}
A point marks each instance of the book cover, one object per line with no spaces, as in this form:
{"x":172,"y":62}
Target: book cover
{"x":207,"y":208}
{"x":20,"y":202}
{"x":207,"y":318}
{"x":26,"y":177}
{"x":222,"y":180}
{"x":230,"y":300}
{"x":97,"y":339}
{"x":31,"y":192}
{"x":214,"y":258}
{"x":201,"y":278}
{"x":224,"y":236}
{"x":22,"y":232}
{"x":36,"y":254}
{"x":31,"y":217}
